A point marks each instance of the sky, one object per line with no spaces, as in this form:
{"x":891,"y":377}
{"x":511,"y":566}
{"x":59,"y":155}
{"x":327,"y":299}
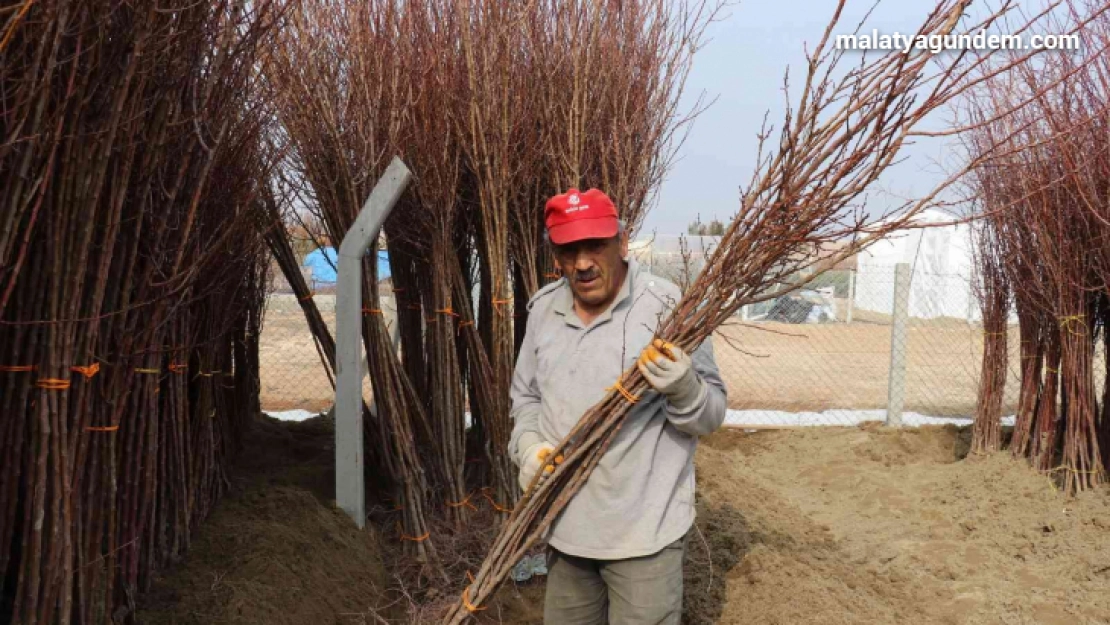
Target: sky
{"x":742,"y":66}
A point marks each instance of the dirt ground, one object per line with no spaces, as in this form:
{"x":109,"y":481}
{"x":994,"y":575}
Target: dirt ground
{"x":824,"y":525}
{"x":276,"y":550}
{"x":878,"y":526}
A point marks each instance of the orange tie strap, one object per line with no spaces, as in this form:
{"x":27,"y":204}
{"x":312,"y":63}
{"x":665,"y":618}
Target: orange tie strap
{"x":178,"y":368}
{"x":464,"y":502}
{"x":88,"y":371}
{"x":416,"y":539}
{"x":447,"y":311}
{"x":498,"y":303}
{"x":308,"y":297}
{"x":1051,"y":370}
{"x":372,"y":311}
{"x":101,"y":428}
{"x":470,"y":607}
{"x":496,"y":506}
{"x":52,"y":384}
{"x":150,"y":371}
{"x":617,"y":386}
{"x":17,"y":368}
{"x":553,"y":276}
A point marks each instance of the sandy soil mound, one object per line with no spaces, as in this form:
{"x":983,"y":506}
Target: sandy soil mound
{"x":275,"y":550}
{"x":829,"y":526}
{"x":880,"y":526}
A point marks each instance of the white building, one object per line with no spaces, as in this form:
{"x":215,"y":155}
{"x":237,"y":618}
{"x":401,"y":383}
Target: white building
{"x":941,"y":259}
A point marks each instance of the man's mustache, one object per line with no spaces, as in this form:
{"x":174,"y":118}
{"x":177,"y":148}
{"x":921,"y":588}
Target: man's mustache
{"x":586,"y":276}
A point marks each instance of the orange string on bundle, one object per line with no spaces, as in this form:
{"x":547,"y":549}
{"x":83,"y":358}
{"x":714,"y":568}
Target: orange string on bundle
{"x":632,"y":399}
{"x":17,"y":368}
{"x":87,"y":371}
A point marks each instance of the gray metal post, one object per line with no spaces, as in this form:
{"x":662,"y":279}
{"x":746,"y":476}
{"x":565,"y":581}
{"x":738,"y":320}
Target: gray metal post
{"x":896,"y":391}
{"x":350,"y":491}
{"x":851,"y":294}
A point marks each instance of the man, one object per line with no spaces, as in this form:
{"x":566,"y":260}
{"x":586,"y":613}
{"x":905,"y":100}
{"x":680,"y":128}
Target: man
{"x":617,"y":548}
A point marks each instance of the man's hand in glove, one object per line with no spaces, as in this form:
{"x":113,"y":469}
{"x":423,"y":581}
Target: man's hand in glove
{"x":671,"y":372}
{"x":535,"y":455}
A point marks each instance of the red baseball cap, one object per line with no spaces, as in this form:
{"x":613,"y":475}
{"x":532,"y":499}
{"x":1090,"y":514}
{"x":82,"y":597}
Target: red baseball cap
{"x":573,"y":216}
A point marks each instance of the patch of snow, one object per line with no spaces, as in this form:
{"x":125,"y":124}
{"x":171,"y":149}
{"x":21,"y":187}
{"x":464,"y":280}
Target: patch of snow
{"x":781,"y":418}
{"x":762,"y":418}
{"x":292,"y":415}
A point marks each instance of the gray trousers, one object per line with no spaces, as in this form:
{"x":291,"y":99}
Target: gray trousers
{"x":638,"y":591}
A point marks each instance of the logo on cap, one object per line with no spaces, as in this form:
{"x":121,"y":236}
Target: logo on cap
{"x":577,"y":215}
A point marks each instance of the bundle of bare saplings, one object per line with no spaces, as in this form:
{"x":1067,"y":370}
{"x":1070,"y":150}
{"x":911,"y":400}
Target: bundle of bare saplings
{"x":153,"y":155}
{"x":1043,"y":256}
{"x":495,"y":106}
{"x":131,"y":285}
{"x":846,"y":128}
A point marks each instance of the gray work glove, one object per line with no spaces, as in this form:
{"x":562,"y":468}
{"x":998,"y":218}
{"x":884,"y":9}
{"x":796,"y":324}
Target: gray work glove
{"x":534,"y":456}
{"x":670,"y":371}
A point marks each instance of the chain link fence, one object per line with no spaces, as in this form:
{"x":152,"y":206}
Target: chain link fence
{"x":825,"y":355}
{"x":831,"y":354}
{"x":293,"y":377}
{"x":819,"y":356}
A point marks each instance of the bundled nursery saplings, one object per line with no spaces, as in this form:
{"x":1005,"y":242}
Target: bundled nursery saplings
{"x":131,"y":284}
{"x":846,"y":128}
{"x":494,"y":107}
{"x":1044,"y":223}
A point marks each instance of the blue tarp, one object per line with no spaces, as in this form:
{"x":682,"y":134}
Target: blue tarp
{"x":325,"y":261}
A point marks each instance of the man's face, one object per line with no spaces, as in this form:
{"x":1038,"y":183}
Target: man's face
{"x":594,"y":268}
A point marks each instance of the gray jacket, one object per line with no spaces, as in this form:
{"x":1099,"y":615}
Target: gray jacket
{"x":640,"y":498}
